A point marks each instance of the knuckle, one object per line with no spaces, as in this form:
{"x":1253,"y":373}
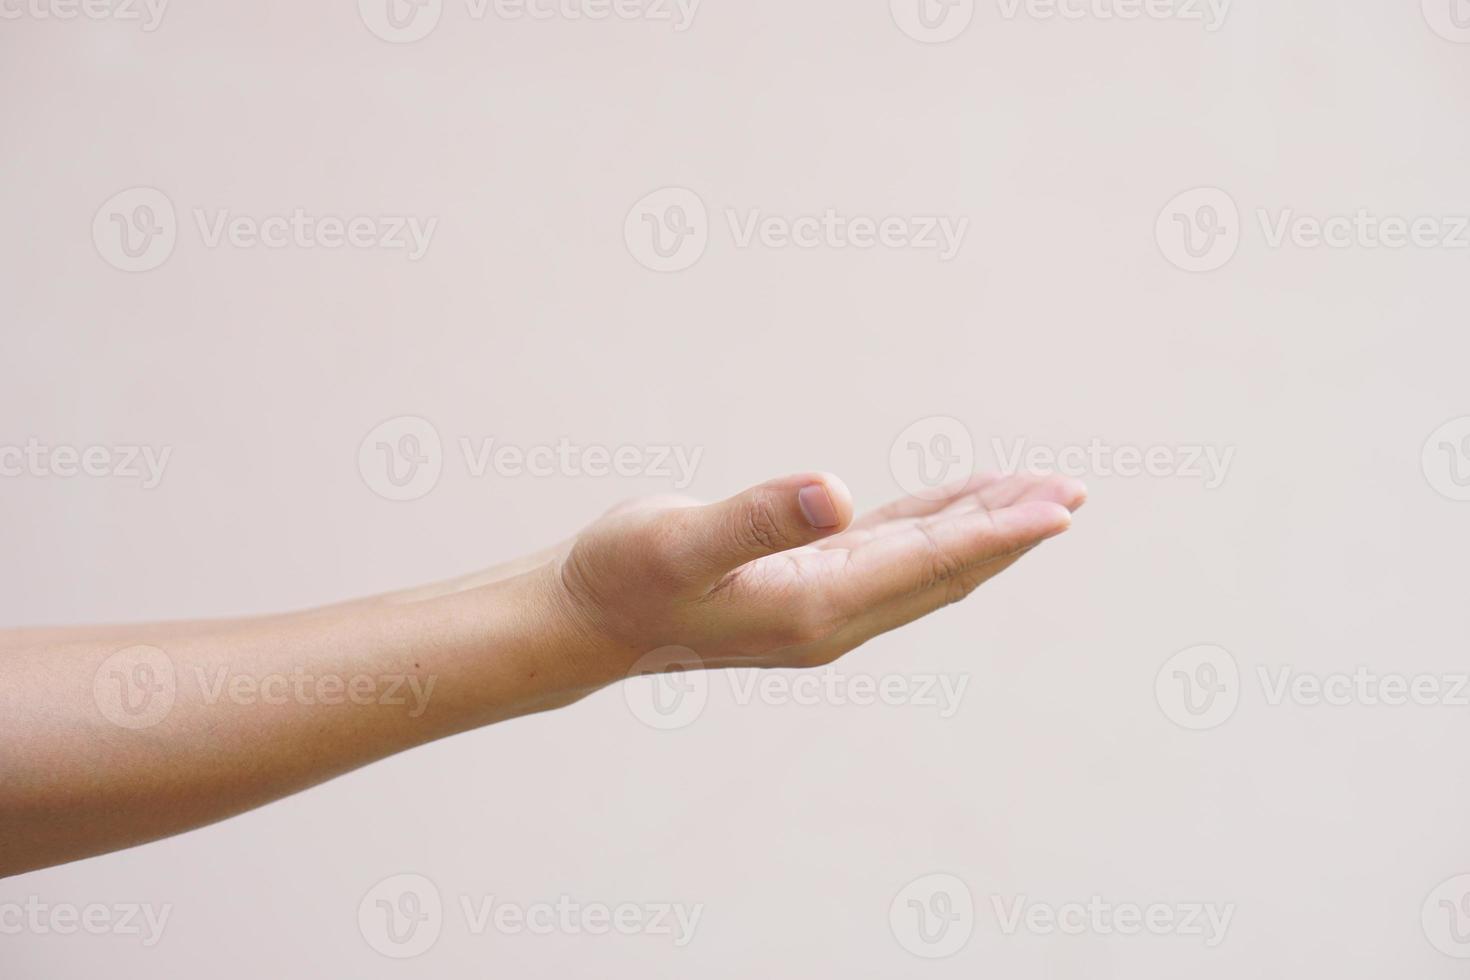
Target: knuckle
{"x":649,"y":503}
{"x":819,"y":657}
{"x":959,"y":588}
{"x":809,"y":623}
{"x":787,"y":633}
{"x":625,"y":506}
{"x":944,"y":565}
{"x":665,"y":560}
{"x":761,"y":526}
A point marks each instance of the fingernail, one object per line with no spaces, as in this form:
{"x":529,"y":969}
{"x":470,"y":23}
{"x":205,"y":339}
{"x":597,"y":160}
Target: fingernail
{"x":816,"y":506}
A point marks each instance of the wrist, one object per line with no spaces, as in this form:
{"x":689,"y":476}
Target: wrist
{"x":505,"y":649}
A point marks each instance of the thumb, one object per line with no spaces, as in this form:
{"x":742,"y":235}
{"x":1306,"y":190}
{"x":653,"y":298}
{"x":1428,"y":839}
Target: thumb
{"x":776,"y":516}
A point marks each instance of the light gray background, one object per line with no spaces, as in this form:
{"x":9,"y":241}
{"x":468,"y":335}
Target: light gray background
{"x":1060,"y":321}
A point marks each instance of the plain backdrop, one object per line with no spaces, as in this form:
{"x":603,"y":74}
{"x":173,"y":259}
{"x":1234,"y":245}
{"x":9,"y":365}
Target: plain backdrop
{"x":1060,"y":322}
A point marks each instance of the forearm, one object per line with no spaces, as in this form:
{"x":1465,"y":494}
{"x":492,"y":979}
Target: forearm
{"x":105,"y":750}
{"x":124,"y":633}
{"x":112,"y":736}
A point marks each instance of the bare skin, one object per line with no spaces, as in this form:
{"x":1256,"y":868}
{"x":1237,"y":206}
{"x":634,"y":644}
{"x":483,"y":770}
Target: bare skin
{"x":256,"y":709}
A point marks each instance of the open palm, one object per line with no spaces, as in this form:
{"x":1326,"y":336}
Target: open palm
{"x":781,"y":575}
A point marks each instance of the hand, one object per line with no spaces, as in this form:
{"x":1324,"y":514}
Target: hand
{"x":781,"y":575}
